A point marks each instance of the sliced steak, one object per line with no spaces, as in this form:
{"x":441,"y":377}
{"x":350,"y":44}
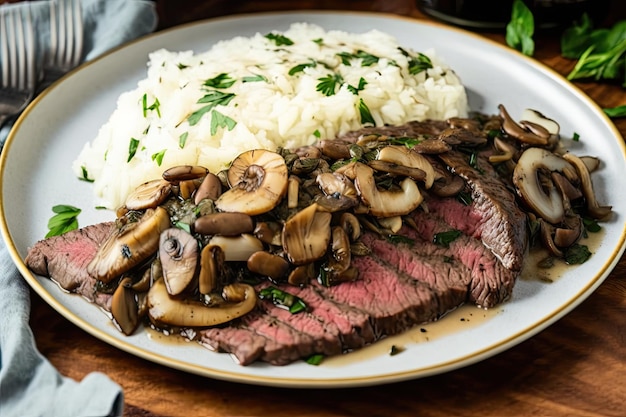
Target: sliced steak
{"x":65,"y":258}
{"x":501,"y":225}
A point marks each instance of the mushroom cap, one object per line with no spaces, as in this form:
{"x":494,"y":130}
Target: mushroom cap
{"x":129,"y":246}
{"x":178,"y":253}
{"x":258,"y":181}
{"x":306,"y":235}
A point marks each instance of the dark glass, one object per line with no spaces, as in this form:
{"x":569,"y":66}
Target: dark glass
{"x":495,"y":14}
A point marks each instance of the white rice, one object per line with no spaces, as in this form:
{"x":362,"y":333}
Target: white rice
{"x":280,"y":110}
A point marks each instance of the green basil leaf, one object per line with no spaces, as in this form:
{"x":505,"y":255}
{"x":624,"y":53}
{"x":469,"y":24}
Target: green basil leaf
{"x":521,"y":28}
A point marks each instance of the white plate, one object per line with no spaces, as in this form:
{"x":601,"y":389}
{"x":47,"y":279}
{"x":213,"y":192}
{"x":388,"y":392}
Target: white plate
{"x":36,"y":175}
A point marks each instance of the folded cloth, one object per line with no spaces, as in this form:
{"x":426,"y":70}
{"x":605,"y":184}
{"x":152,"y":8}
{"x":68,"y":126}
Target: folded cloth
{"x":29,"y":383}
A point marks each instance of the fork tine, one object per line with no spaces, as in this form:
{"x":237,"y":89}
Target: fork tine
{"x":11,"y":49}
{"x":31,"y":72}
{"x":78,"y":32}
{"x":4,"y":50}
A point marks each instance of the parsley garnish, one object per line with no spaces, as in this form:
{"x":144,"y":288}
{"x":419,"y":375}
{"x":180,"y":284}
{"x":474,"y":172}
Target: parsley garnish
{"x":212,"y":98}
{"x":85,"y":174}
{"x":445,"y":238}
{"x":367,"y":59}
{"x":154,"y":106}
{"x":222,"y":80}
{"x":219,"y":120}
{"x":317,"y":134}
{"x":355,"y":90}
{"x":329,"y":84}
{"x":158,"y":157}
{"x":278,"y":39}
{"x":614,"y":112}
{"x":366,"y":115}
{"x":182,"y":139}
{"x":419,"y":64}
{"x":577,"y":254}
{"x":315,"y":359}
{"x":253,"y":78}
{"x":132,"y":148}
{"x":283,"y":299}
{"x":300,"y":67}
{"x":63,"y":221}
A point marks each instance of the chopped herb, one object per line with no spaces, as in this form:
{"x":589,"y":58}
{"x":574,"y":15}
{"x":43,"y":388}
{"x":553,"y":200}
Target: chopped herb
{"x":222,"y":80}
{"x":366,"y":115}
{"x":85,"y":174}
{"x":182,"y":66}
{"x":319,"y":41}
{"x":158,"y":157}
{"x":182,"y":139}
{"x":394,"y":350}
{"x":521,"y":28}
{"x":63,"y":221}
{"x":253,"y":79}
{"x":445,"y":238}
{"x":614,"y":112}
{"x":406,"y":141}
{"x":367,"y":59}
{"x":283,"y":299}
{"x":184,"y":226}
{"x":317,"y":134}
{"x":591,"y":225}
{"x":278,"y":39}
{"x":577,"y":254}
{"x":465,"y":198}
{"x":156,"y":106}
{"x":315,"y":359}
{"x":132,"y":148}
{"x":329,"y":84}
{"x":300,"y":67}
{"x":396,"y":239}
{"x":355,"y":90}
{"x":473,"y":162}
{"x":212,"y":98}
{"x":219,"y":120}
{"x":419,"y":64}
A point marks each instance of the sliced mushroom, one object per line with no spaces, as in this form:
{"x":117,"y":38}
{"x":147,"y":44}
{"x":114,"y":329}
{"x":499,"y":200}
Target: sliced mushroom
{"x":237,"y":248}
{"x":268,"y":232}
{"x":211,"y":188}
{"x":539,"y":119}
{"x":268,"y":264}
{"x":178,"y":253}
{"x":593,"y":207}
{"x":150,"y":194}
{"x":128,"y":247}
{"x":402,"y":155}
{"x":339,"y":192}
{"x":340,"y":255}
{"x":449,"y":185}
{"x":211,"y":267}
{"x":163,"y":309}
{"x":335,"y":148}
{"x":225,"y":224}
{"x":124,"y":307}
{"x":184,"y":173}
{"x":302,"y":275}
{"x":393,"y":224}
{"x":258,"y":181}
{"x":518,"y":132}
{"x":571,"y":233}
{"x":350,"y":225}
{"x":386,"y":203}
{"x":546,"y":203}
{"x":293,"y":188}
{"x":398,"y":170}
{"x":432,"y":146}
{"x":306,"y":235}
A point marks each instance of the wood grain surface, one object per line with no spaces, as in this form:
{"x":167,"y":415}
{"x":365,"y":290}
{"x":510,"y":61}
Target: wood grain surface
{"x":576,"y":367}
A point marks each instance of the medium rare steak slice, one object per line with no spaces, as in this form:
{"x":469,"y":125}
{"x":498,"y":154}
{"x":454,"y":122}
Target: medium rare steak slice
{"x":500,"y":223}
{"x":65,"y":258}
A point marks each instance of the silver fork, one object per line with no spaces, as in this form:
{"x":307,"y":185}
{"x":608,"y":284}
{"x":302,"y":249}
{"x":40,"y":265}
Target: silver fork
{"x":18,"y":77}
{"x":66,"y":39}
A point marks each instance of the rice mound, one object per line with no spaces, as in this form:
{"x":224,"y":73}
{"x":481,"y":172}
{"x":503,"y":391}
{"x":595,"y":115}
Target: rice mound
{"x":261,"y":92}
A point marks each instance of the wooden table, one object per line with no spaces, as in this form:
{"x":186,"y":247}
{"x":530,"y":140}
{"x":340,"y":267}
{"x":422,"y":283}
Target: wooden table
{"x":576,"y":367}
